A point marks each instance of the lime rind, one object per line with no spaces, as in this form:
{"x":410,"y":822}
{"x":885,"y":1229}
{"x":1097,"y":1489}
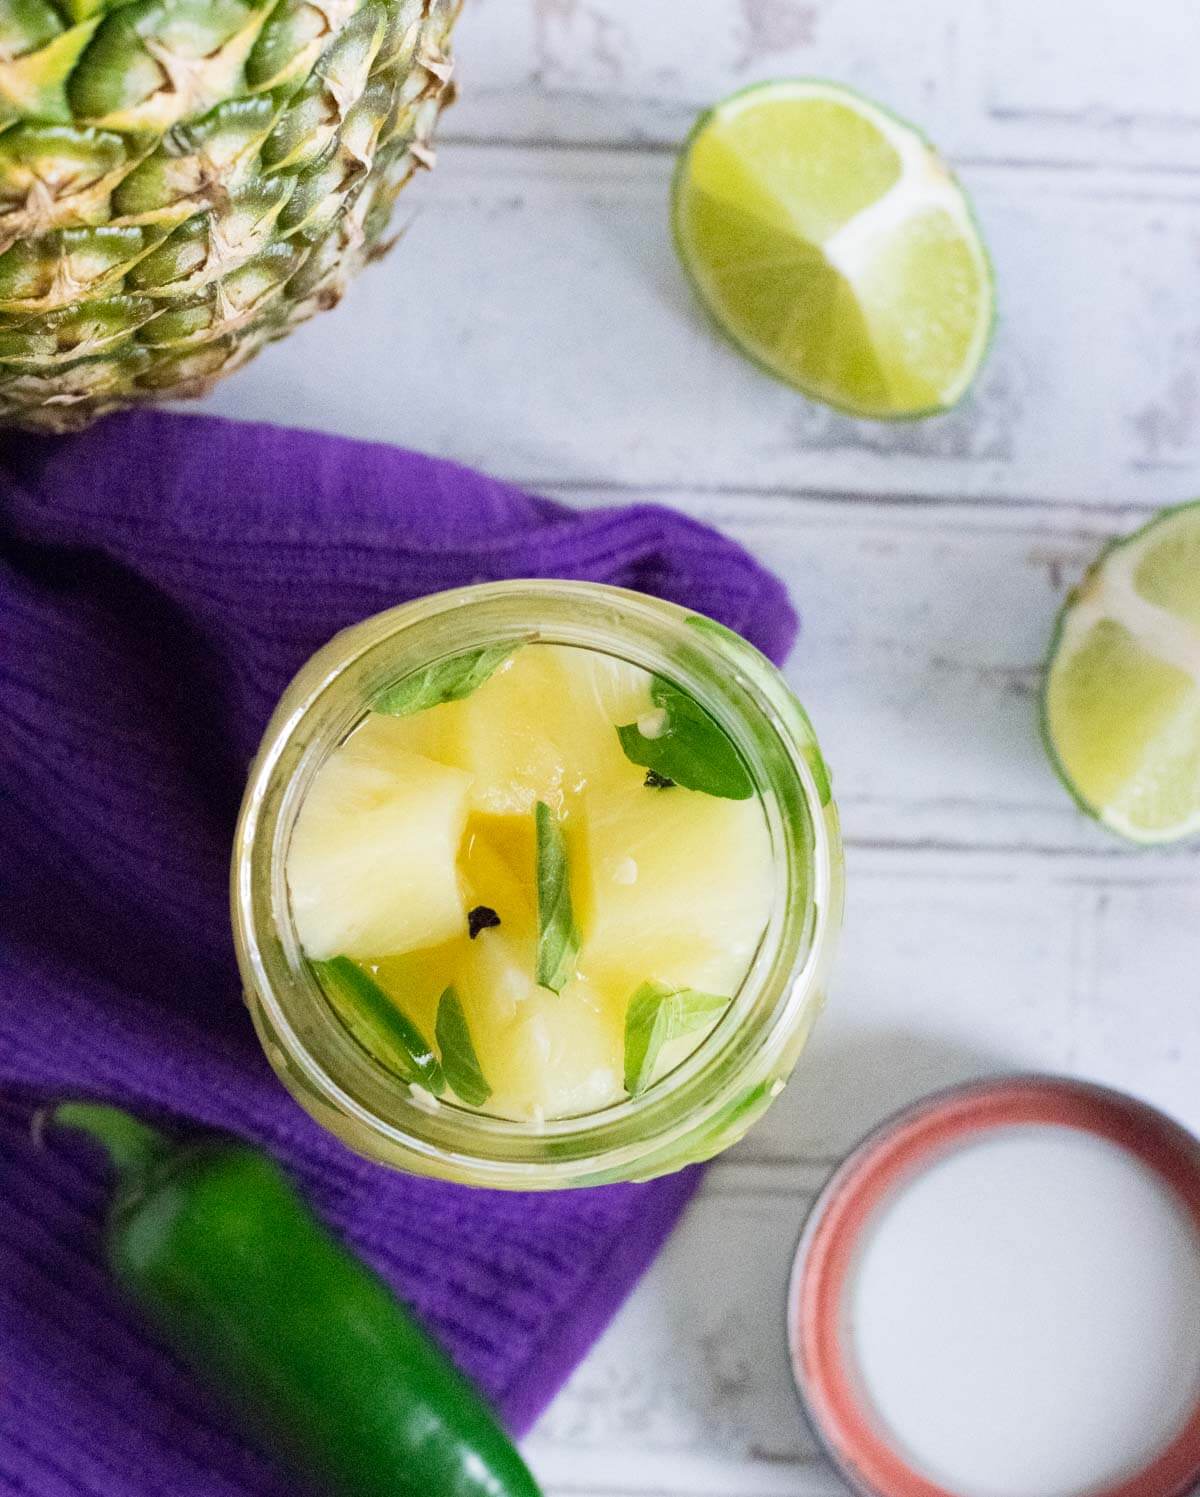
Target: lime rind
{"x":1067,"y":636}
{"x":909,"y":142}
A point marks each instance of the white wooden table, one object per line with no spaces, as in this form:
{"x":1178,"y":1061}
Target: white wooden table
{"x":535,"y":323}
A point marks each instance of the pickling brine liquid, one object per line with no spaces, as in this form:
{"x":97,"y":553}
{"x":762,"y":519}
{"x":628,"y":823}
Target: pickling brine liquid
{"x":530,"y":881}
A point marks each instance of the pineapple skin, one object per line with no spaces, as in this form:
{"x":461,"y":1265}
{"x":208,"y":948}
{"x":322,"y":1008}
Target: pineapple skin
{"x":183,"y":181}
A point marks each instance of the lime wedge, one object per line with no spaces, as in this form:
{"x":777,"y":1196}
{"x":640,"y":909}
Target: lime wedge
{"x":1121,"y":700}
{"x":831,"y":243}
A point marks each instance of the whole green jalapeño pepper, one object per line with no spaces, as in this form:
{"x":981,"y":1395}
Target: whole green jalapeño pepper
{"x":310,"y":1348}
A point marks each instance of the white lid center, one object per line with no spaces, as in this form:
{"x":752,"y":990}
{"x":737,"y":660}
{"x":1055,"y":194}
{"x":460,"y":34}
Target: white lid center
{"x":1024,"y":1315}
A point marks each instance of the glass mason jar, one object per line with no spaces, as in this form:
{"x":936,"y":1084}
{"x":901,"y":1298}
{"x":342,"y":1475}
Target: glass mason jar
{"x":712,"y":1097}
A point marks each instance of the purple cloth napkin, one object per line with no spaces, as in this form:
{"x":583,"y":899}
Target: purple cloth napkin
{"x":161,"y":578}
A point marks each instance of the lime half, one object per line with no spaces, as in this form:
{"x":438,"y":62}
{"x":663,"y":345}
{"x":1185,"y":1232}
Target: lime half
{"x":831,"y":243}
{"x":1121,"y":701}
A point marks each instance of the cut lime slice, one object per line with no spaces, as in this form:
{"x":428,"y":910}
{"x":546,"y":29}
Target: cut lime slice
{"x":831,"y":243}
{"x":1121,"y":701}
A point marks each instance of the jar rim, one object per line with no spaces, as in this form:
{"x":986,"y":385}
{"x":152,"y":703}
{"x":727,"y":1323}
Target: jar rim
{"x":330,"y":695}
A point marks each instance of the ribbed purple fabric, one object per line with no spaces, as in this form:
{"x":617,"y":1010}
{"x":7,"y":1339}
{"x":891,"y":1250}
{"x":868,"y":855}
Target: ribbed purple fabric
{"x":161,"y":579}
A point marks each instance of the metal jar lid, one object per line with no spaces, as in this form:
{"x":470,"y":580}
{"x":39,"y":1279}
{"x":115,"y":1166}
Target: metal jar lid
{"x":833,"y":1393}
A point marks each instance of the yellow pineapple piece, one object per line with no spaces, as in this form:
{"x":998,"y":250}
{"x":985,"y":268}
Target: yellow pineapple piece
{"x":543,"y":726}
{"x":372,"y":866}
{"x":601,"y":694}
{"x":545,"y":1054}
{"x":499,"y":735}
{"x":675,"y":887}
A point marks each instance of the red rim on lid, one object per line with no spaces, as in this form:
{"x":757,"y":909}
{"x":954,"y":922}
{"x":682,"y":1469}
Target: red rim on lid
{"x":897,"y":1152}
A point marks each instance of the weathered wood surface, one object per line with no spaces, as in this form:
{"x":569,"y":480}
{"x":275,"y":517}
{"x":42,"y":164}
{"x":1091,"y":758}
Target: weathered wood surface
{"x":535,"y":323}
{"x":1085,"y":81}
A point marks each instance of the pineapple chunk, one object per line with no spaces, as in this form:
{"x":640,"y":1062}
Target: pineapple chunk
{"x":562,"y":1055}
{"x":504,"y":741}
{"x":601,"y":694}
{"x":545,"y":1055}
{"x":499,"y":736}
{"x":618,"y":691}
{"x":676,"y":887}
{"x":372,"y":866}
{"x":542,"y":727}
